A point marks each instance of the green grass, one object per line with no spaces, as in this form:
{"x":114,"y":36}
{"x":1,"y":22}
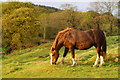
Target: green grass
{"x":0,"y":49}
{"x":35,"y":63}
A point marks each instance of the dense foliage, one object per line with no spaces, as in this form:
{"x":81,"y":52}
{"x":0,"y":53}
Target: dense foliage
{"x":21,"y":25}
{"x":25,"y":24}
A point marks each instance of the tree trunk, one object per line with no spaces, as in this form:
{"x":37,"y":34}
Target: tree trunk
{"x":98,"y":26}
{"x":111,"y":27}
{"x":44,"y":33}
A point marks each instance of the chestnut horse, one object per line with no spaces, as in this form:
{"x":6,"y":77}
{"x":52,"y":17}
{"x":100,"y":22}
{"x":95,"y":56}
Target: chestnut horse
{"x":73,"y":39}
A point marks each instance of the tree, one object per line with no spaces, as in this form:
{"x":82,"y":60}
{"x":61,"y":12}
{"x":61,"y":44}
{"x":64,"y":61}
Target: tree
{"x":23,"y":25}
{"x":95,"y":19}
{"x":119,"y":9}
{"x":98,"y":21}
{"x":70,"y":18}
{"x":0,"y":25}
{"x":70,"y":15}
{"x":87,"y":20}
{"x":64,"y":19}
{"x":103,"y":7}
{"x":112,"y":22}
{"x":68,"y":7}
{"x":71,"y":11}
{"x":19,"y":29}
{"x":44,"y":19}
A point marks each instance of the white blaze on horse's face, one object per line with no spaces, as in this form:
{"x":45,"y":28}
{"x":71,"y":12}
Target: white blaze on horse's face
{"x":54,"y":56}
{"x":51,"y":58}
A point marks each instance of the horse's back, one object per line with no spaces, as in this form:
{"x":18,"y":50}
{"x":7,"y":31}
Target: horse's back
{"x":85,"y":39}
{"x":81,"y":39}
{"x":78,"y":39}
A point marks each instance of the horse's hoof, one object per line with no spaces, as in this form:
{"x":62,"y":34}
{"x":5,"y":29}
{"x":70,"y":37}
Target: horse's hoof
{"x":95,"y":65}
{"x":74,"y":64}
{"x":101,"y":65}
{"x":62,"y":63}
{"x":54,"y":63}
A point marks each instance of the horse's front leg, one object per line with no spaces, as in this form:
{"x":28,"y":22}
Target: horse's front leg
{"x":73,"y":57}
{"x":65,"y":53}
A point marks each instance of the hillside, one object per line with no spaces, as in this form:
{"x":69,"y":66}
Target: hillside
{"x":22,"y":24}
{"x":35,"y":63}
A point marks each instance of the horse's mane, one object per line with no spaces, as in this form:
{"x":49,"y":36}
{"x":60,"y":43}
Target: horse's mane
{"x":59,"y":35}
{"x":62,"y":32}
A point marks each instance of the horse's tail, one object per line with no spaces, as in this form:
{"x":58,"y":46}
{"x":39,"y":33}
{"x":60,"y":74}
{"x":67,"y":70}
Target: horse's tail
{"x":104,"y":46}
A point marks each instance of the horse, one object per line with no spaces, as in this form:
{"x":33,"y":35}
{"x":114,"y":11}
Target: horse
{"x":73,"y":39}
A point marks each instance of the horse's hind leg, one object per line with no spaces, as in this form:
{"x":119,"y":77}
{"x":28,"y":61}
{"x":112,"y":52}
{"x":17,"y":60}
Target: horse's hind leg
{"x":65,"y":53}
{"x":103,"y":54}
{"x":98,"y":57}
{"x":102,"y":57}
{"x":96,"y":62}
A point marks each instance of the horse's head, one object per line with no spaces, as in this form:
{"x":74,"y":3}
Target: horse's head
{"x":53,"y":55}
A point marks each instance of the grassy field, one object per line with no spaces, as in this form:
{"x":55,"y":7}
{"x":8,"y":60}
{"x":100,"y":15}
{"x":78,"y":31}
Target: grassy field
{"x":35,"y":63}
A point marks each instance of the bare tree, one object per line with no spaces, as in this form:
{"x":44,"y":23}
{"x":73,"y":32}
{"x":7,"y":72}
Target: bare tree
{"x":68,"y":7}
{"x":119,"y":9}
{"x":71,"y":14}
{"x":104,"y":7}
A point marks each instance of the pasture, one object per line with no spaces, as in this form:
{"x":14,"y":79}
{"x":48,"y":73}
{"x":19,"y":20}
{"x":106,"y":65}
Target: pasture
{"x":35,"y":63}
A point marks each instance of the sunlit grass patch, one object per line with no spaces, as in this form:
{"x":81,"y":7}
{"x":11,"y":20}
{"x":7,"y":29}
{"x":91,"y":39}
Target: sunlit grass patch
{"x":35,"y":63}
